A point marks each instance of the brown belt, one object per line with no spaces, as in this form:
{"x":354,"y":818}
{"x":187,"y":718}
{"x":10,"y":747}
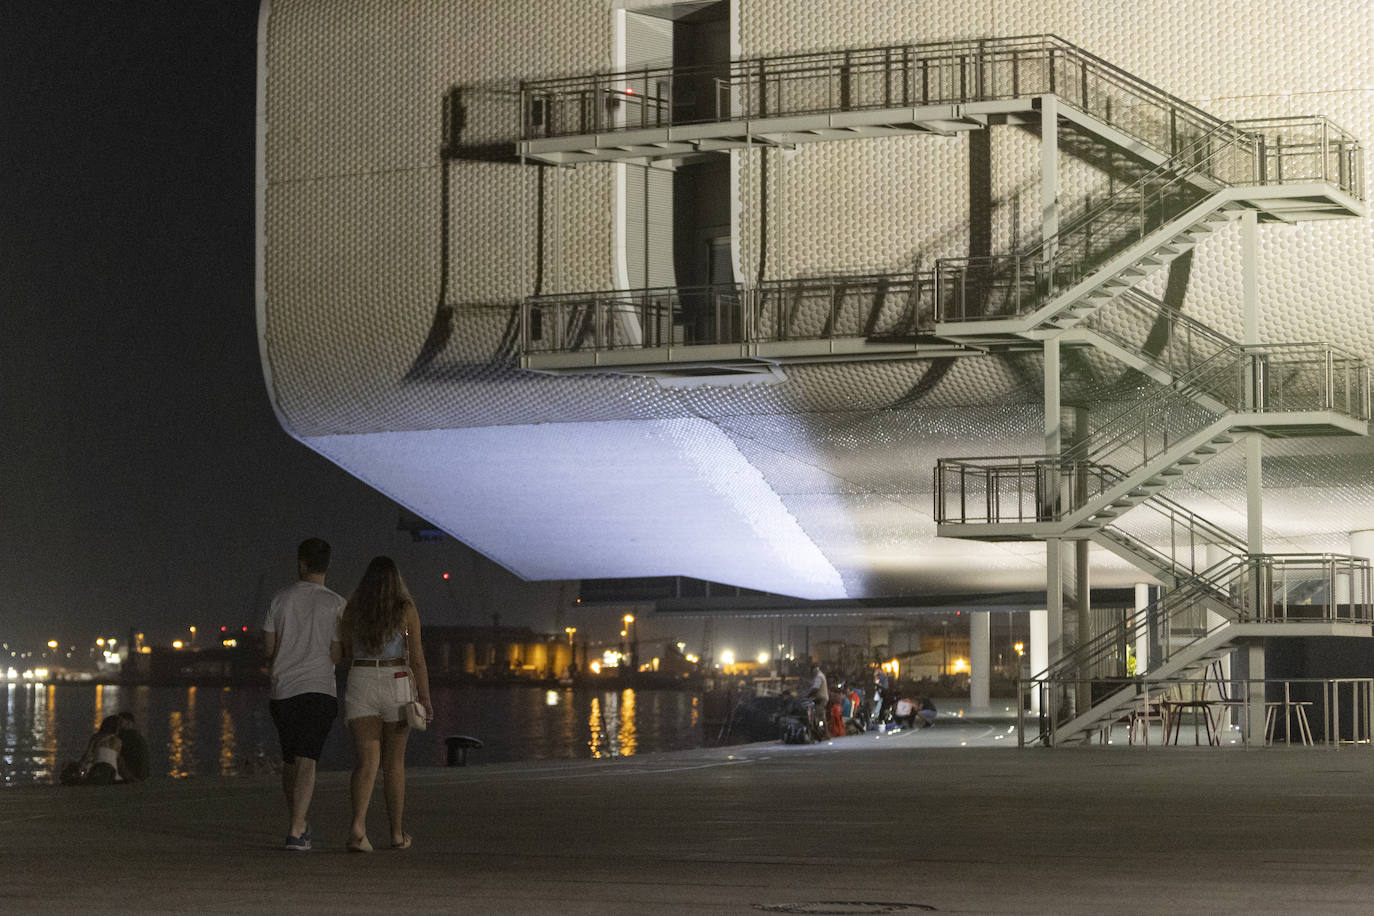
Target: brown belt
{"x":378,"y":662}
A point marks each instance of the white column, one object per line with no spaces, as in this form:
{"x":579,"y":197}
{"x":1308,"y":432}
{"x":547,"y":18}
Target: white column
{"x":1049,"y":171}
{"x":1362,"y":547}
{"x":1039,"y":649}
{"x":1254,"y":454}
{"x":1142,"y":636}
{"x":980,"y":659}
{"x":1054,"y":563}
{"x":1254,"y":724}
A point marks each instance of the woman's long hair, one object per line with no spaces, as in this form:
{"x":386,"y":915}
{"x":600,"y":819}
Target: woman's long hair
{"x":376,"y":610}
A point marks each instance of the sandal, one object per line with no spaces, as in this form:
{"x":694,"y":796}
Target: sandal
{"x":405,"y":841}
{"x":359,"y":844}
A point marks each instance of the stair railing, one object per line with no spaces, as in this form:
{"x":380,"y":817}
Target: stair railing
{"x":1047,"y":488}
{"x":1255,"y":588}
{"x":1188,"y":542}
{"x":1006,"y":286}
{"x":1170,"y":340}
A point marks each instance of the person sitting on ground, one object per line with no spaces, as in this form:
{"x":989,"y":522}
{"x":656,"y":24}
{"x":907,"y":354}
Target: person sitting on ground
{"x":134,"y":762}
{"x":925,"y":711}
{"x":101,"y":760}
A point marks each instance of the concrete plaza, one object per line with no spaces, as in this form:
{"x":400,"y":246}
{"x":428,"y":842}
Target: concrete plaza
{"x":952,"y":819}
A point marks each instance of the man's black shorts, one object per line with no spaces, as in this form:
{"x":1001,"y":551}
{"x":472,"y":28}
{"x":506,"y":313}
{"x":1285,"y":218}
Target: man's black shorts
{"x":303,"y":722}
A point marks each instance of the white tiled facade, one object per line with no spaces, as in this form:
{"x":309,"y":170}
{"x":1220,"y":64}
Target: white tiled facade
{"x":817,"y":486}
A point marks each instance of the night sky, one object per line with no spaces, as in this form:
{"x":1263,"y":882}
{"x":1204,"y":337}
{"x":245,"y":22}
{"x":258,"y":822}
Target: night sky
{"x":146,"y":482}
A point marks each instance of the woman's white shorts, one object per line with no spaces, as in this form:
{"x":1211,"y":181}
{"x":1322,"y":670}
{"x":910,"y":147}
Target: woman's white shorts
{"x":378,"y":692}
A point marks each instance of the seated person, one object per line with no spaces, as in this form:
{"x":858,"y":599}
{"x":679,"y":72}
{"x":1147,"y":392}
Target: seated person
{"x":925,"y":711}
{"x":101,"y":760}
{"x":134,"y":762}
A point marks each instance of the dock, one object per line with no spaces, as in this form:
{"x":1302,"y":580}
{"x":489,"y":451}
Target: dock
{"x":935,"y":820}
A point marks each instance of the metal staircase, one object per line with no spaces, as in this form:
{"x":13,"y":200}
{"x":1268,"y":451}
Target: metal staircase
{"x":1243,"y":596}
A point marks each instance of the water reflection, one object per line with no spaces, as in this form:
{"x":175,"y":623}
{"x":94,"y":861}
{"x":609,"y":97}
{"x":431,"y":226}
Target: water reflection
{"x":227,"y":746}
{"x":594,"y":724}
{"x":627,"y":736}
{"x":228,"y":732}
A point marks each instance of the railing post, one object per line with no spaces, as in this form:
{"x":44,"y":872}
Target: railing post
{"x":1328,"y":389}
{"x":1326,"y":172}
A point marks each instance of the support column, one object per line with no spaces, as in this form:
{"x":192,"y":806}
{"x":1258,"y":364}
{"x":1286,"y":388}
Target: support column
{"x":1361,"y":547}
{"x":1254,"y":454}
{"x":1254,"y":469}
{"x":1049,"y":172}
{"x":1039,"y":649}
{"x":1142,"y":636}
{"x":980,"y":659}
{"x":1254,"y":720}
{"x":1049,"y":488}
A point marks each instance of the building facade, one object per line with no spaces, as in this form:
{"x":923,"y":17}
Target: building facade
{"x":748,"y":290}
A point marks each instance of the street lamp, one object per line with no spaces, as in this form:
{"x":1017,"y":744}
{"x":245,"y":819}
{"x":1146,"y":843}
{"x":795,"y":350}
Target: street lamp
{"x":634,"y":643}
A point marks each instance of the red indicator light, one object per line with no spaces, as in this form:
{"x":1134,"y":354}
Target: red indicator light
{"x":445,"y":575}
{"x":629,"y":90}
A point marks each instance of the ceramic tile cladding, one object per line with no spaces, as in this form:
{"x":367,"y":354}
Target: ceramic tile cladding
{"x":355,"y":113}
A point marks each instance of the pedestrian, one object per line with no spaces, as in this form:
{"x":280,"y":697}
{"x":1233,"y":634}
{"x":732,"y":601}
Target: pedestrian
{"x":302,"y":641}
{"x":381,"y":634}
{"x":135,"y":764}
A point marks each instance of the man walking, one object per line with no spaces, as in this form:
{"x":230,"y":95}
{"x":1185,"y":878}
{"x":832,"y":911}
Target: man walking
{"x":302,"y":638}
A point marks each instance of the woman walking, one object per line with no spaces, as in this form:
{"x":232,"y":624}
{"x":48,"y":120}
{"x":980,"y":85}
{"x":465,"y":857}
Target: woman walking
{"x":380,"y":631}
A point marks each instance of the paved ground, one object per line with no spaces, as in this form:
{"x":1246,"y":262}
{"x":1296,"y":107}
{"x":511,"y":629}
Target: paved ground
{"x":900,"y":824}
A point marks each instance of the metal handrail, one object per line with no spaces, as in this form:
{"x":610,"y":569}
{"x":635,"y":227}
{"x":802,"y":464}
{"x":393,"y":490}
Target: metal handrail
{"x":1345,"y":714}
{"x":877,"y":306}
{"x":855,"y":79}
{"x":1050,"y":487}
{"x":1251,"y":586}
{"x":1198,"y":341}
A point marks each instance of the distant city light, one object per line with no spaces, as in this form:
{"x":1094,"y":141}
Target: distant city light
{"x":959,"y":665}
{"x":763,"y":658}
{"x":52,"y":644}
{"x":100,"y":642}
{"x":551,"y":698}
{"x":595,"y":666}
{"x":231,"y":643}
{"x":727,"y":657}
{"x":176,"y":644}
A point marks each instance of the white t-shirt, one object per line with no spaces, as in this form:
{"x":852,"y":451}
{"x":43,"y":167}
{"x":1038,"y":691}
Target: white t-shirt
{"x":305,"y":617}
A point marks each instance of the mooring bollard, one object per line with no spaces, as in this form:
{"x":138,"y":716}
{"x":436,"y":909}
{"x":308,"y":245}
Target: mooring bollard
{"x":458,"y":746}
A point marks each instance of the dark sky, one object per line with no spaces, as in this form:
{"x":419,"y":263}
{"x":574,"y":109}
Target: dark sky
{"x":145,"y":479}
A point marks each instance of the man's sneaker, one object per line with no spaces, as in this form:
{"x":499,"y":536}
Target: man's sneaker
{"x":298,"y":843}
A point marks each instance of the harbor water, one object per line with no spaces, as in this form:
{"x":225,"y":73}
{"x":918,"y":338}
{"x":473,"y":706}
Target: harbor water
{"x":227,"y":731}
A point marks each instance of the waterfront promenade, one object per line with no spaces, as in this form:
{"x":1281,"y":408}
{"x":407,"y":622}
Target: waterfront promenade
{"x":907,"y":823}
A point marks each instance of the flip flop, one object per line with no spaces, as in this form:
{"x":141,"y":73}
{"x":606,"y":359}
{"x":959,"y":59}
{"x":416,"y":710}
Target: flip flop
{"x":405,"y":841}
{"x":360,"y":844}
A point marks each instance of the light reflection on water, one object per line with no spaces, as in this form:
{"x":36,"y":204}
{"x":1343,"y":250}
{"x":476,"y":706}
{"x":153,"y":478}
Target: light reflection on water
{"x":210,"y":731}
